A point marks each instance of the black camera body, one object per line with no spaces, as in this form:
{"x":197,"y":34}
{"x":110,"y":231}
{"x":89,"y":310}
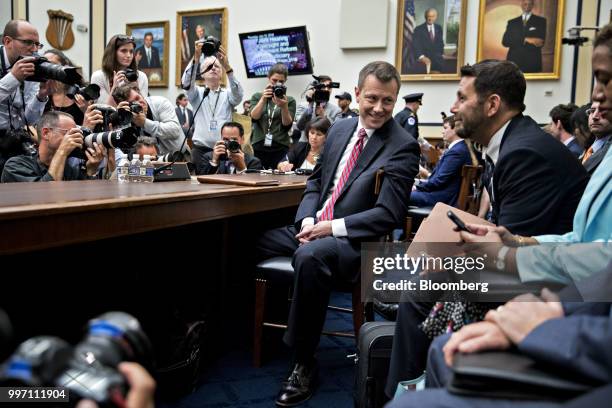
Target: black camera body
{"x":279,"y":90}
{"x":321,"y":94}
{"x":90,"y":92}
{"x":45,"y":70}
{"x":210,"y":45}
{"x":579,"y":41}
{"x":130,"y":74}
{"x":231,"y":146}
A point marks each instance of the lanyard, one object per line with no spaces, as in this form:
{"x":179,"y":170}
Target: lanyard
{"x":212,"y":110}
{"x":271,"y":114}
{"x":10,"y":100}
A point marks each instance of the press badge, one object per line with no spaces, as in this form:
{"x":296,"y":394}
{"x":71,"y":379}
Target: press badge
{"x":268,"y":140}
{"x":213,"y":125}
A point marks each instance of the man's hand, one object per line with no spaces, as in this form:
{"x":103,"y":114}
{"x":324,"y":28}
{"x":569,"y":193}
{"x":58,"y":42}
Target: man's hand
{"x":222,"y":58}
{"x":72,"y":139}
{"x":304,"y":235}
{"x":218,"y":151}
{"x":45,"y":89}
{"x":280,"y":102}
{"x":197,"y":51}
{"x":94,"y":155}
{"x":142,"y":386}
{"x":524,"y":313}
{"x":284,"y":166}
{"x":320,"y":110}
{"x":238,"y":159}
{"x":23,"y":68}
{"x":473,"y":338}
{"x":320,"y":230}
{"x":424,"y":60}
{"x":535,"y":41}
{"x":92,"y":117}
{"x":138,"y":119}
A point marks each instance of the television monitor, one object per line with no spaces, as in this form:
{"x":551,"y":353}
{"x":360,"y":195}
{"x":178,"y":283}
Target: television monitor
{"x":262,"y":49}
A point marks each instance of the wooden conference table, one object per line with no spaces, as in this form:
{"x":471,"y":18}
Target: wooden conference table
{"x":37,"y":216}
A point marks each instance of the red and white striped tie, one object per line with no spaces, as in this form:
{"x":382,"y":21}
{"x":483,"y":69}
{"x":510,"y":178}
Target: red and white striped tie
{"x":328,"y":211}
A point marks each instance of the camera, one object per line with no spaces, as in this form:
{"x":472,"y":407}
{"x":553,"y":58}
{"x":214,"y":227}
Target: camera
{"x":119,"y":118}
{"x":321,"y":94}
{"x":279,"y":90}
{"x":45,"y":70}
{"x":89,"y":370}
{"x":574,"y":37}
{"x":121,"y":139}
{"x":135,"y":107}
{"x":130,"y":74}
{"x":90,"y":92}
{"x":210,"y":45}
{"x":574,"y":41}
{"x":231,"y":146}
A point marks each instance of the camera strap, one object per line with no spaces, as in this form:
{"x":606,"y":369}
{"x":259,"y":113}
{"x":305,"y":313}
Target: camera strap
{"x":270,"y":114}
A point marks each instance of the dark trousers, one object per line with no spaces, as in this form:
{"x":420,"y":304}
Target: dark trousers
{"x":270,"y":156}
{"x":410,"y":344}
{"x":317,"y":269}
{"x":197,"y":157}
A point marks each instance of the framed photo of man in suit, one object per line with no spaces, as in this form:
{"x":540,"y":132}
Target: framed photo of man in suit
{"x":430,"y":39}
{"x":196,"y":25}
{"x":151,"y":50}
{"x":526,"y":32}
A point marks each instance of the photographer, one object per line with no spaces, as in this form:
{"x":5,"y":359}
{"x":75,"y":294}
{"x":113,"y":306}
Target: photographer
{"x":317,"y":103}
{"x":59,"y":136}
{"x":157,"y":118}
{"x":216,"y":108}
{"x":119,"y":67}
{"x":272,"y":114}
{"x":228,"y":157}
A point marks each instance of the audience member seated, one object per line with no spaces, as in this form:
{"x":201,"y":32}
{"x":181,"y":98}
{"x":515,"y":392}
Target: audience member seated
{"x":601,"y":128}
{"x":117,"y":58}
{"x":184,"y":115}
{"x":304,"y":155}
{"x":534,"y":188}
{"x":146,"y":145}
{"x":58,"y":100}
{"x":223,"y":160}
{"x":309,"y":109}
{"x":59,"y":137}
{"x":213,"y":107}
{"x":272,"y":119}
{"x":561,"y":127}
{"x":157,"y":119}
{"x":444,"y":182}
{"x":580,"y":124}
{"x":340,"y":210}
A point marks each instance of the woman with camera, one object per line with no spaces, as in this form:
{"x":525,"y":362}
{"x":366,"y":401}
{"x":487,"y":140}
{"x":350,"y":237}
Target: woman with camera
{"x":118,"y":68}
{"x":58,"y":100}
{"x":304,"y":155}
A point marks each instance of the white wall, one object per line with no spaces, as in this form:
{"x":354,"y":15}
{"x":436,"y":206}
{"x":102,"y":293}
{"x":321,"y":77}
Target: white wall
{"x":5,"y":13}
{"x":604,"y":12}
{"x":319,"y":17}
{"x":79,"y":53}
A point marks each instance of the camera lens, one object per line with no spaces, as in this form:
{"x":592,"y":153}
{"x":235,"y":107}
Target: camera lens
{"x":131,"y":75}
{"x":279,"y":90}
{"x":123,"y":139}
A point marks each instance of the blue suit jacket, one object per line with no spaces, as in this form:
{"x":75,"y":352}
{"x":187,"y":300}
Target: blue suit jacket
{"x":575,"y":148}
{"x":445,"y":181}
{"x":431,"y":49}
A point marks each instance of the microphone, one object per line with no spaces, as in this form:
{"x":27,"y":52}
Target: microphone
{"x":175,"y":158}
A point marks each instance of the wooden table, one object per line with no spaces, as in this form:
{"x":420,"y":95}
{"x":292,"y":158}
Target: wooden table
{"x":36,"y":216}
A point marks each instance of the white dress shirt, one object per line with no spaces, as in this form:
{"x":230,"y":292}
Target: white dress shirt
{"x":338,"y":225}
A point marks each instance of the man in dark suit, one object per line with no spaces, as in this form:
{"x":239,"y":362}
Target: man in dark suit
{"x":535,"y":187}
{"x":428,"y":42}
{"x":524,"y":37}
{"x":339,"y":211}
{"x":184,"y":115}
{"x":601,"y":128}
{"x":560,"y":127}
{"x":228,"y":159}
{"x":147,"y":56}
{"x":444,"y":183}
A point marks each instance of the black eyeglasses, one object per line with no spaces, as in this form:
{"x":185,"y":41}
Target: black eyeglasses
{"x":30,"y":43}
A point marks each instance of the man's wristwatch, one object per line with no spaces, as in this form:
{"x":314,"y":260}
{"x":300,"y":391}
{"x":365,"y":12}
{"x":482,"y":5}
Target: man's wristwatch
{"x":500,"y":260}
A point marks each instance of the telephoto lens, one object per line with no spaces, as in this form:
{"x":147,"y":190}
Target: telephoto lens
{"x":122,"y":139}
{"x":45,"y":70}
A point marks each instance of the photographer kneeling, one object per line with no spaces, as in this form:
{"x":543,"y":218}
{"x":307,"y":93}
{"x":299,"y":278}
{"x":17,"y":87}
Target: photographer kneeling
{"x":227,"y":156}
{"x":157,"y":119}
{"x":59,"y":137}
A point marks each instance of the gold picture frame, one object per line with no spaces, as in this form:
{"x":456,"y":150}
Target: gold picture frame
{"x":494,"y":22}
{"x":188,"y":28}
{"x":412,"y":38}
{"x":155,"y":63}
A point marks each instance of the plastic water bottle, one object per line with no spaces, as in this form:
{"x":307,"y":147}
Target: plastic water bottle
{"x":123,"y":171}
{"x":149,"y":170}
{"x":134,"y":172}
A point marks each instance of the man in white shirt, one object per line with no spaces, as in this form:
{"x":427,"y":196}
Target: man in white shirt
{"x":213,"y":105}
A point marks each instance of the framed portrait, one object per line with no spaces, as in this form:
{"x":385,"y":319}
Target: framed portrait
{"x":152,"y":50}
{"x":526,"y":32}
{"x":430,"y":39}
{"x":195,"y":25}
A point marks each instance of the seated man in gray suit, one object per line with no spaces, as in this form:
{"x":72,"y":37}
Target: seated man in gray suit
{"x":227,"y":156}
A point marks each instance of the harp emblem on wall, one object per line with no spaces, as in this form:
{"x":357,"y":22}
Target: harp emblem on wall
{"x":59,"y":32}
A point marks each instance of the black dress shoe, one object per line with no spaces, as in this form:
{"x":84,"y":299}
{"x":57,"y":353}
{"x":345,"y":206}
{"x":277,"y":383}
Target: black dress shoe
{"x":386,"y":310}
{"x":299,"y":386}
